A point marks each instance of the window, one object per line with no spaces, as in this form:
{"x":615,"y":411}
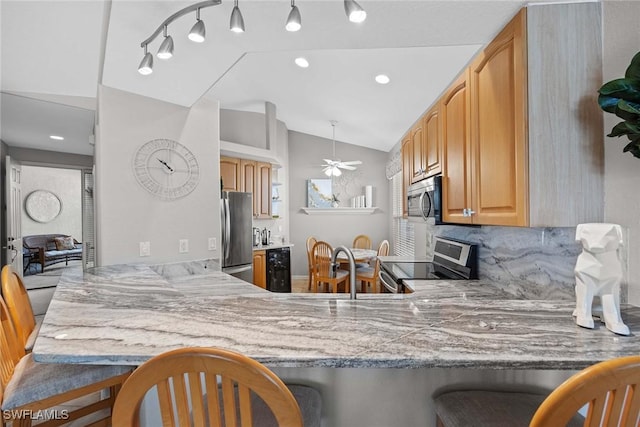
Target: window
{"x":402,"y":229}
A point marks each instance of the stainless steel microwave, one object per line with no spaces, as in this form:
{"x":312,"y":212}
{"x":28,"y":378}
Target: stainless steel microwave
{"x":424,"y":199}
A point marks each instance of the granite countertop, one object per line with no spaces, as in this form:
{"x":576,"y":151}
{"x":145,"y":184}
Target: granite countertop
{"x":128,"y":313}
{"x":272,"y":246}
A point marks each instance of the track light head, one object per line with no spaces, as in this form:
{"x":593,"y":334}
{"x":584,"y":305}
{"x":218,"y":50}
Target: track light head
{"x":166,"y":48}
{"x":294,"y":21}
{"x":146,"y":65}
{"x":237,"y":22}
{"x":354,"y":11}
{"x":197,"y":32}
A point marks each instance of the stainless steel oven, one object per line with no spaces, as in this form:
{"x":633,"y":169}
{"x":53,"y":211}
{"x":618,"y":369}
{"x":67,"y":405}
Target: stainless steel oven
{"x":424,"y":199}
{"x":452,"y":260}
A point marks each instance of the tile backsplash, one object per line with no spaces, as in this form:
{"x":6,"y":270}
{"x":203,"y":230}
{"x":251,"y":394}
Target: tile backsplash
{"x":532,"y":262}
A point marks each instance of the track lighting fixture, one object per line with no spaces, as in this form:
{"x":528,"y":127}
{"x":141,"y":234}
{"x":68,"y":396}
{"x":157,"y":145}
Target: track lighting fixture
{"x":197,"y":32}
{"x":236,"y":24}
{"x":294,"y":20}
{"x":146,"y":65}
{"x":166,"y":47}
{"x":354,"y":11}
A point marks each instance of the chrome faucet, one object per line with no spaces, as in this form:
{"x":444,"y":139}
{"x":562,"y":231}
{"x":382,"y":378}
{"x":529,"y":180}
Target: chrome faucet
{"x":352,"y":268}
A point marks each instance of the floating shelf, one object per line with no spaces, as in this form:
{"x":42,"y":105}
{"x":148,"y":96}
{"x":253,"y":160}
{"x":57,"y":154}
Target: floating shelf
{"x":339,"y":211}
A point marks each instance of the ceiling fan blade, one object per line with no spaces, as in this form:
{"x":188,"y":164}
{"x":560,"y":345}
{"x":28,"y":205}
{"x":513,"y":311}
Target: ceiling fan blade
{"x":347,"y":167}
{"x":352,"y":162}
{"x":327,"y":161}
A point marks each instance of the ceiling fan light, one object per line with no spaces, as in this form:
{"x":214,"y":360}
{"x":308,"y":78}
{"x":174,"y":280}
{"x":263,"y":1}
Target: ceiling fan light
{"x":166,"y":48}
{"x":146,"y":65}
{"x":336,"y":171}
{"x":294,"y":21}
{"x":328,"y":172}
{"x":354,"y":11}
{"x":237,"y":22}
{"x":197,"y":32}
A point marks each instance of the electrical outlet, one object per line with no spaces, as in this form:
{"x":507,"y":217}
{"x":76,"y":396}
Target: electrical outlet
{"x":213,"y":244}
{"x":183,"y":246}
{"x":145,"y":248}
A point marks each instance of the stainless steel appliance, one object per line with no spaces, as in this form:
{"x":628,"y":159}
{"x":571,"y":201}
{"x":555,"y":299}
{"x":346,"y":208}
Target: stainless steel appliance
{"x":452,"y":260}
{"x":424,"y":199}
{"x":236,"y":214}
{"x":279,"y":270}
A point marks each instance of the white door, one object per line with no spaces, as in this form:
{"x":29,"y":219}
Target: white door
{"x":14,"y":214}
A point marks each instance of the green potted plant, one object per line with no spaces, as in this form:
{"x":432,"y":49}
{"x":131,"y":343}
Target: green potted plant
{"x":622,"y":98}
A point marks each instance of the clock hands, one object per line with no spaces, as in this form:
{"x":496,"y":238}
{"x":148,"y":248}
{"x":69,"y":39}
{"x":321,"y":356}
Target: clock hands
{"x":166,"y":165}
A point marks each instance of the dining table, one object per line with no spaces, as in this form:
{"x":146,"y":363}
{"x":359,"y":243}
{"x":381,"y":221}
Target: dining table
{"x":359,"y":255}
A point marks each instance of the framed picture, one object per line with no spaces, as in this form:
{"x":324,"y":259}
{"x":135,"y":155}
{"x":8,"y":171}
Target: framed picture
{"x":319,"y":193}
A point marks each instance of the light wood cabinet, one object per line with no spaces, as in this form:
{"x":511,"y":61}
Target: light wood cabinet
{"x":431,"y":142}
{"x":250,"y":176}
{"x":456,"y":152}
{"x":498,"y":94}
{"x":521,"y":129}
{"x":230,"y":174}
{"x":262,"y":192}
{"x":260,"y":269}
{"x":407,"y":164}
{"x":418,"y":168}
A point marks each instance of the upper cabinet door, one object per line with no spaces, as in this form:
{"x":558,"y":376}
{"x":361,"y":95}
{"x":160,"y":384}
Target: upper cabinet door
{"x":418,"y":168}
{"x":248,"y":180}
{"x":432,"y":142}
{"x":456,"y":152}
{"x":263,"y":190}
{"x":498,"y":128}
{"x":230,"y":174}
{"x":407,"y":172}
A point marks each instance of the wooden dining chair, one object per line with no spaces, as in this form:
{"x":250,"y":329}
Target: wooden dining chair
{"x":27,"y":387}
{"x":212,"y":386}
{"x":610,"y":389}
{"x":310,"y":242}
{"x":19,"y":305}
{"x":362,"y":241}
{"x":368,"y":276}
{"x":322,"y":268}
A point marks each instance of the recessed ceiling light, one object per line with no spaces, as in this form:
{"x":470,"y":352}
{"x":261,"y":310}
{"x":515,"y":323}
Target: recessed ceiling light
{"x":302,"y":62}
{"x":383,"y":79}
{"x":56,"y":137}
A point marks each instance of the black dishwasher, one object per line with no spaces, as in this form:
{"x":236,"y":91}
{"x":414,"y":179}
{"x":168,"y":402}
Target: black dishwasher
{"x":278,"y":270}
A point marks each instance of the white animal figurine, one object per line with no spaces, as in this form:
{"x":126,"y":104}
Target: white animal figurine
{"x":598,"y":274}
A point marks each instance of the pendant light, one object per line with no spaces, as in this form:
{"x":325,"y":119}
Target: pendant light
{"x":294,"y":21}
{"x":146,"y":65}
{"x":237,"y":22}
{"x":197,"y":32}
{"x":166,"y":47}
{"x":354,"y":11}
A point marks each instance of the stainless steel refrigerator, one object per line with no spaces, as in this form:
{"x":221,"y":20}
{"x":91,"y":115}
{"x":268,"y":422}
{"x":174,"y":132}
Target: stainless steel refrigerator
{"x":237,"y":233}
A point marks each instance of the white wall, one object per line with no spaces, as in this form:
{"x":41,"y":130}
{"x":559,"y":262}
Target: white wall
{"x":622,"y":171}
{"x":305,"y":159}
{"x":126,"y":214}
{"x":66,"y":184}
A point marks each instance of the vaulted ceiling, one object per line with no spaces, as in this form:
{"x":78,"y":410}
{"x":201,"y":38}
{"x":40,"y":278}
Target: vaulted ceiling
{"x":56,"y":53}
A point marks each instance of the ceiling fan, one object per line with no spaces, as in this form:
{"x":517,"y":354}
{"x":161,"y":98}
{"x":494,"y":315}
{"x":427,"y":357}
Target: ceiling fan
{"x":332,"y":167}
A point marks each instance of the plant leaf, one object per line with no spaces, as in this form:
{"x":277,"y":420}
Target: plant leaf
{"x":620,"y":129}
{"x":627,"y":89}
{"x":633,"y":72}
{"x":626,"y":111}
{"x":633,"y":148}
{"x":630,"y":107}
{"x":608,"y":103}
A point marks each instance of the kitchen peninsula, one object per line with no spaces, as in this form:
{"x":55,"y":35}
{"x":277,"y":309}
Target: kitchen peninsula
{"x":126,"y":314}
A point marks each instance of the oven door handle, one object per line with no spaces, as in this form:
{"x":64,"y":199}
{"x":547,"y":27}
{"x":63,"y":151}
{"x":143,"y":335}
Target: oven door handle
{"x":389,"y":283}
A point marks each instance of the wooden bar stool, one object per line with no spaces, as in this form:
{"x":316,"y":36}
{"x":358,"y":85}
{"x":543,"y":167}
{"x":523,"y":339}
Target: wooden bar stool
{"x":611,"y":389}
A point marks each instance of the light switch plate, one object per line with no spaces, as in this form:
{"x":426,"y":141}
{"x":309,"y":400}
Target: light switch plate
{"x":145,"y":248}
{"x":183,"y":247}
{"x":213,"y":244}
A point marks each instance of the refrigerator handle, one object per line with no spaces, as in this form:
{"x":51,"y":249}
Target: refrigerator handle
{"x":227,"y":229}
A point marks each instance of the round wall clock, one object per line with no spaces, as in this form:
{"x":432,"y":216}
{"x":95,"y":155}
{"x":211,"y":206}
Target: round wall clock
{"x":166,"y":169}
